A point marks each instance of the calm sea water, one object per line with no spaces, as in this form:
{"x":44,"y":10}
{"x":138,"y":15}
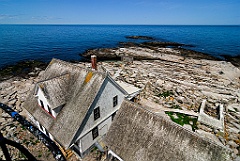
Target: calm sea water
{"x":43,"y":42}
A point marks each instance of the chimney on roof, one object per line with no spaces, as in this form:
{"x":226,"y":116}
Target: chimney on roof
{"x":94,"y":62}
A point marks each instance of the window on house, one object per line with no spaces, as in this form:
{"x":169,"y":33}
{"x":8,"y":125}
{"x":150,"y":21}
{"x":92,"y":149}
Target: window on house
{"x":41,"y":128}
{"x":41,"y":102}
{"x":115,"y":101}
{"x":96,"y":113}
{"x":113,"y":115}
{"x":49,"y":110}
{"x":95,"y":132}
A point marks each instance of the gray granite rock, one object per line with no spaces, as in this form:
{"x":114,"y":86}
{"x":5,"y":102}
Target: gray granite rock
{"x":232,"y":144}
{"x":205,"y":128}
{"x":233,"y":130}
{"x":4,"y":85}
{"x":189,"y":127}
{"x":233,"y":136}
{"x":237,"y":158}
{"x":160,"y":82}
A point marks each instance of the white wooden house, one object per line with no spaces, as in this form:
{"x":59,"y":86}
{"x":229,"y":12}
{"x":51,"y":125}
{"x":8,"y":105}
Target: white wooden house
{"x":74,"y":106}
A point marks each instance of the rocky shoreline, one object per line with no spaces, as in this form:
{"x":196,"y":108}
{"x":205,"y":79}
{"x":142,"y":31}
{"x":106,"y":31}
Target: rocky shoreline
{"x":23,"y":69}
{"x":172,"y":79}
{"x":234,"y":60}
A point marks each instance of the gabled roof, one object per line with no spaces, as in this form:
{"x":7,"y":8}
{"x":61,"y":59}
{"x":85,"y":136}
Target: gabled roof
{"x":137,"y":134}
{"x":55,"y":90}
{"x":83,"y":88}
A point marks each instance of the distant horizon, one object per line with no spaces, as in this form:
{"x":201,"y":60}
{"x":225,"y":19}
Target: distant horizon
{"x":132,"y":24}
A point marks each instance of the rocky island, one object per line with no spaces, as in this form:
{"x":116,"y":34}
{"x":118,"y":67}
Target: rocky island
{"x":195,"y":90}
{"x":147,"y":51}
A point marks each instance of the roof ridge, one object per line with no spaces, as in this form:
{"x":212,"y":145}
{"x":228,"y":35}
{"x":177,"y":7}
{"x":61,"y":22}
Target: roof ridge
{"x":45,"y":80}
{"x":55,"y":60}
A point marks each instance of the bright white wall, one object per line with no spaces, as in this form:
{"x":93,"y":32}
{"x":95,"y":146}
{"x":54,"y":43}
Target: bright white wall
{"x":42,"y":97}
{"x":87,"y":140}
{"x":105,"y":103}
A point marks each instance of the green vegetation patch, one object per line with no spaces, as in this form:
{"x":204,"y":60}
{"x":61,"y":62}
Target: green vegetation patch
{"x":165,"y":94}
{"x":182,"y":119}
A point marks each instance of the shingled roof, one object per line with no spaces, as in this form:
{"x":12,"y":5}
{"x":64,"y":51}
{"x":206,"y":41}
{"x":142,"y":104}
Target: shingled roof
{"x":137,"y":134}
{"x":82,"y":89}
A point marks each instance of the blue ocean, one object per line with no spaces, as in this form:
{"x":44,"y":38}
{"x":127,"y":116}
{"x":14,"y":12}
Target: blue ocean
{"x":43,"y":42}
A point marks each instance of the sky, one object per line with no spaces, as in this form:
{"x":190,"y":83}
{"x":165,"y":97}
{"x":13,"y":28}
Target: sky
{"x":147,"y":12}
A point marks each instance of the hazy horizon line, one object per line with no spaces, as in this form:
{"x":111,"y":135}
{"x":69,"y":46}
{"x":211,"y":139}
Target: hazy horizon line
{"x":125,"y":24}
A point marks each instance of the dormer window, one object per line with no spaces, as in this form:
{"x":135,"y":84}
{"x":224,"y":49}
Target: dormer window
{"x":52,"y":93}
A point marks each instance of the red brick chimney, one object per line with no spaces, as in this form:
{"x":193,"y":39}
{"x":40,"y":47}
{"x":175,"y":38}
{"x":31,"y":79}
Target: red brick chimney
{"x":94,"y":62}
